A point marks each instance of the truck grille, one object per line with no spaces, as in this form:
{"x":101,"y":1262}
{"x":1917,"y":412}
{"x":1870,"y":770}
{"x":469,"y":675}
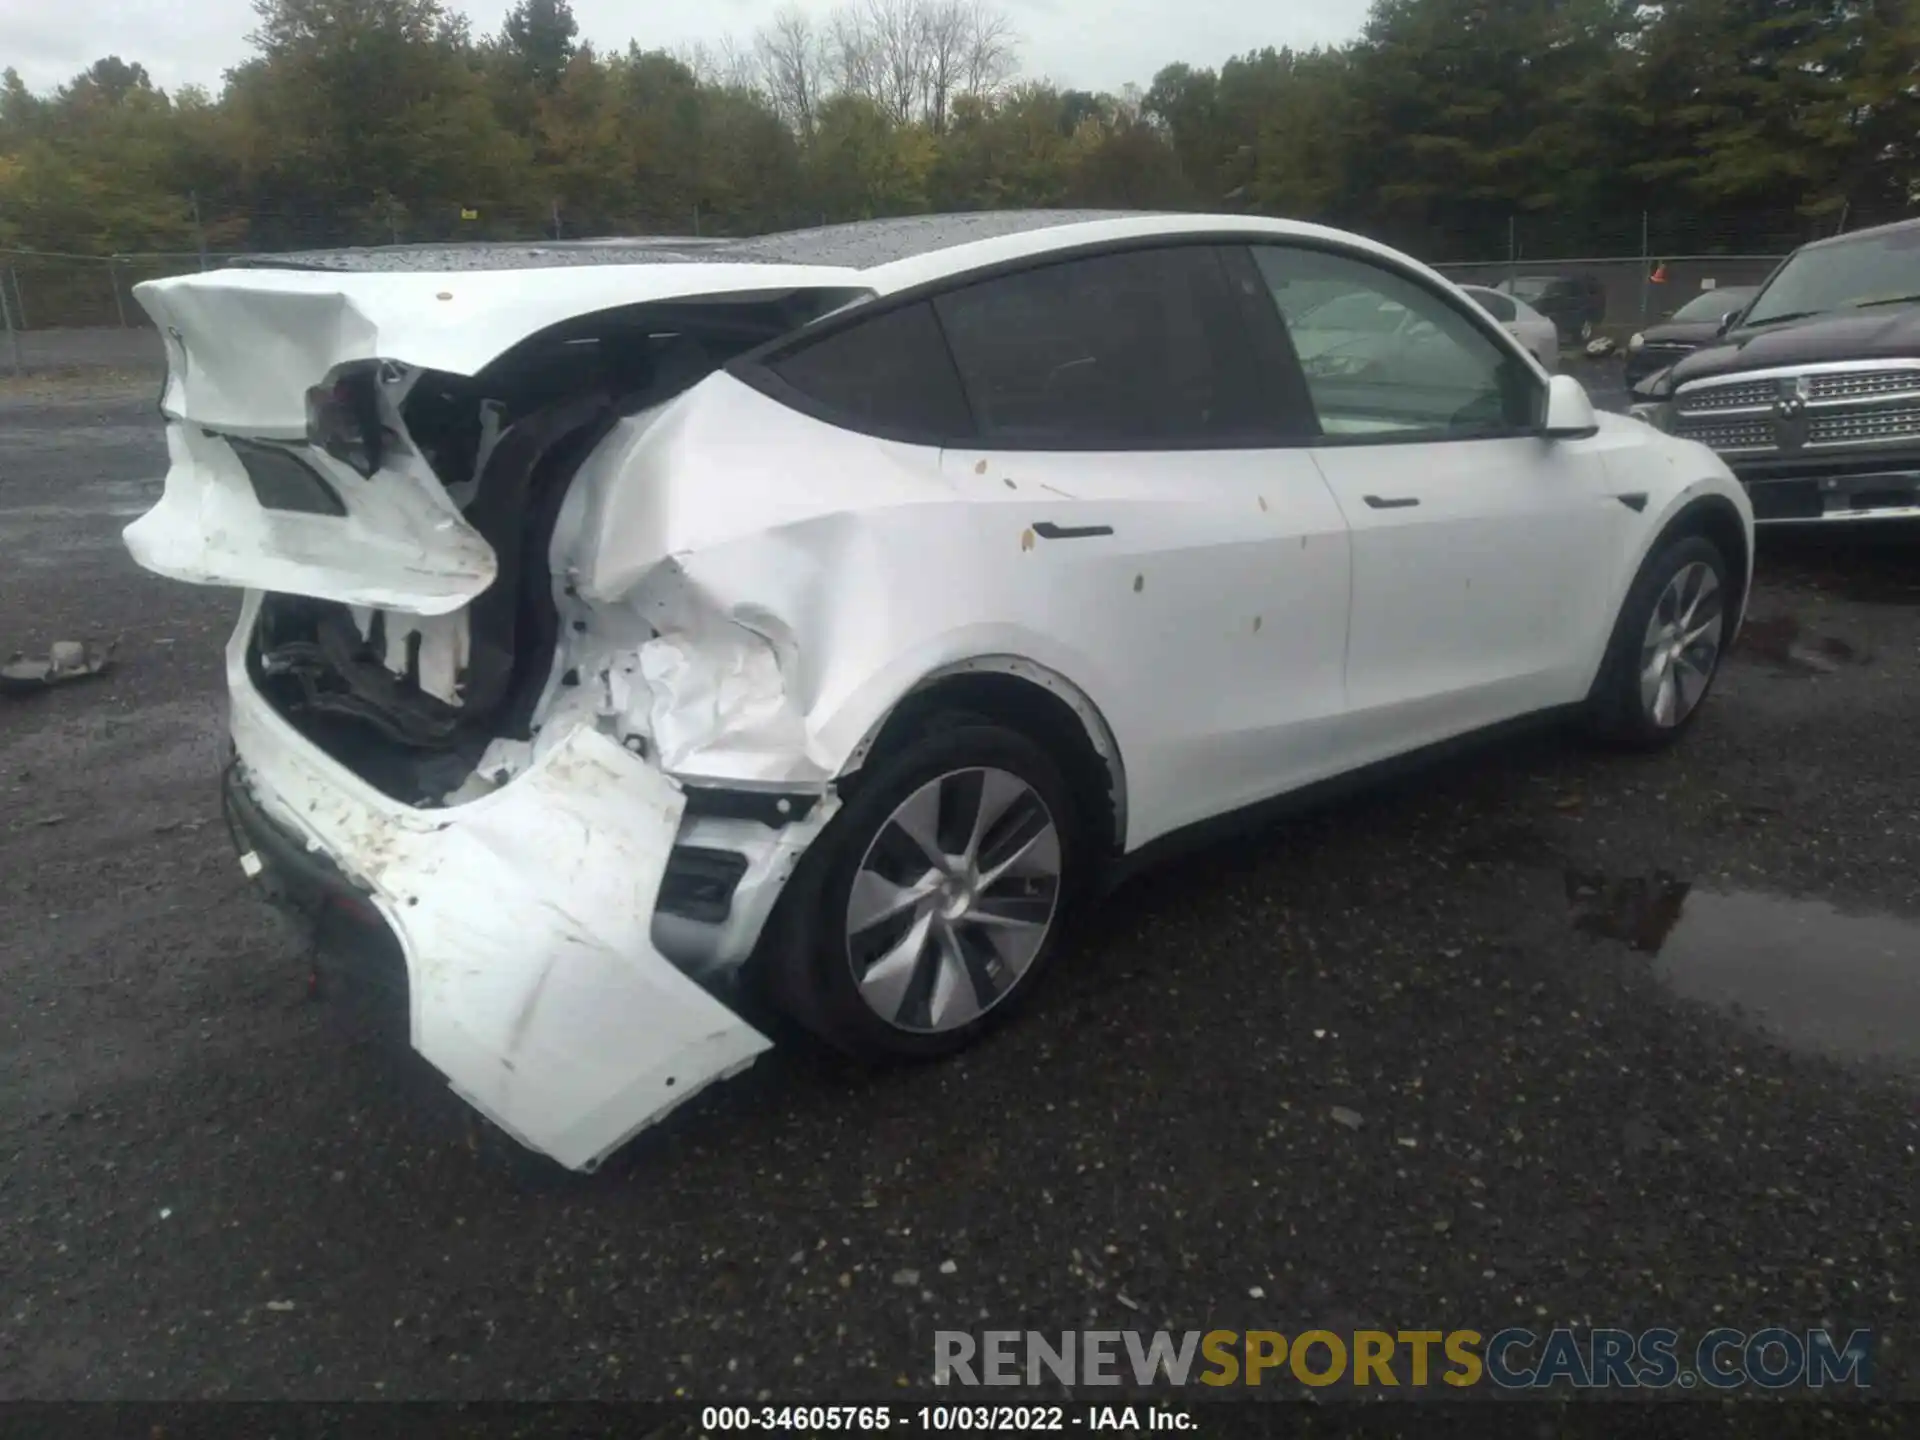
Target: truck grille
{"x":1728,"y":433}
{"x":1863,"y":384}
{"x":1820,"y":409}
{"x":1865,"y":427}
{"x":1757,"y":395}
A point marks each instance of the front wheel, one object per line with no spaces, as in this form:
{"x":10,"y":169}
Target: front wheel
{"x":931,"y":903}
{"x":1666,"y":646}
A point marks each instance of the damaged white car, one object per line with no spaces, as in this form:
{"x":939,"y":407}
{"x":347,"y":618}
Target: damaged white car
{"x":627,"y":624}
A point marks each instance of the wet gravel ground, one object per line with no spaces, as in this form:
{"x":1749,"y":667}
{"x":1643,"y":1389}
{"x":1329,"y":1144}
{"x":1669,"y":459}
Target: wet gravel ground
{"x":211,"y":1185}
{"x":80,"y":352}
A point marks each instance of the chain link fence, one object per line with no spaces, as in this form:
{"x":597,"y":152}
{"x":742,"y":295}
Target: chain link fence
{"x":1635,"y":299}
{"x":77,"y":312}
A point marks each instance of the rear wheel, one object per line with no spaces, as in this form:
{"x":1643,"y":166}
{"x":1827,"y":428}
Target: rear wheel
{"x":930,"y":905}
{"x":1666,"y":647}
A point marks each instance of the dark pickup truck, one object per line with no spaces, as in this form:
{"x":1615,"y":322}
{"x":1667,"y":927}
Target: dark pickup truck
{"x":1811,"y":393}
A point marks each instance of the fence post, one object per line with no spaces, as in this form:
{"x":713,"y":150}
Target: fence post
{"x":556,"y":219}
{"x":1513,"y":252}
{"x":1645,"y":259}
{"x":199,"y":231}
{"x":13,"y":335}
{"x":19,"y":300}
{"x":113,"y":283}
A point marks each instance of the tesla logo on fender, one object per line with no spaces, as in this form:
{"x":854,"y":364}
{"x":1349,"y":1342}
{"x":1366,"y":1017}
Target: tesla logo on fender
{"x":1790,"y":413}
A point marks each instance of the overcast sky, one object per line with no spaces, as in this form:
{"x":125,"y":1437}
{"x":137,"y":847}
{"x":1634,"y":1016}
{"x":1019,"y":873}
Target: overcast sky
{"x":1085,"y":44}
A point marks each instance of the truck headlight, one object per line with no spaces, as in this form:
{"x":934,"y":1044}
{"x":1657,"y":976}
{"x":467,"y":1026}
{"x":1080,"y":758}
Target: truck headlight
{"x":1637,"y":341}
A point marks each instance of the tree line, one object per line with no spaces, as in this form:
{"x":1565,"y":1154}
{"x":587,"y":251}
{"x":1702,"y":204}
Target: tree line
{"x":1446,"y":124}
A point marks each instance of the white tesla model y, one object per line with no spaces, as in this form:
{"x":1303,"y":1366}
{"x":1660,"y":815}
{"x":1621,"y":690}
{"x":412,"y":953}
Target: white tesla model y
{"x":629,"y":622}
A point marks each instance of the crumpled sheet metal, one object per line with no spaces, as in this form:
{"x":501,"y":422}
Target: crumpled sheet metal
{"x":524,"y":918}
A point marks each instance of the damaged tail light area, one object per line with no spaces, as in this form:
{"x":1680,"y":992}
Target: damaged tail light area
{"x":283,"y":481}
{"x":343,"y":417}
{"x":439,"y":709}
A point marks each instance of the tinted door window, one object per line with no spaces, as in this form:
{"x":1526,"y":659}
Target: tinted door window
{"x":1435,"y":373}
{"x":1138,"y":350}
{"x":889,"y":375}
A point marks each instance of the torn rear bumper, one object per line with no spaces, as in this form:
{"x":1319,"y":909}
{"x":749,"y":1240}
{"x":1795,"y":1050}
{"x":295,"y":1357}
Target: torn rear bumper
{"x":302,"y":882}
{"x":524,"y":918}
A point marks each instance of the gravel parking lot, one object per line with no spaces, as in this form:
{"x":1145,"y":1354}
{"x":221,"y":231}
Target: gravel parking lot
{"x":123,"y":351}
{"x":1630,"y":1042}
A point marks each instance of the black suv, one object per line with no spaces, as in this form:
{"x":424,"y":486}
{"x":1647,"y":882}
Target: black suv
{"x":1811,"y":394}
{"x":1575,"y":303}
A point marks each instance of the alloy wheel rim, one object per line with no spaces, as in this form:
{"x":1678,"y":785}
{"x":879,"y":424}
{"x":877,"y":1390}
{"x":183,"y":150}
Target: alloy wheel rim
{"x":1682,"y":645}
{"x":953,"y":899}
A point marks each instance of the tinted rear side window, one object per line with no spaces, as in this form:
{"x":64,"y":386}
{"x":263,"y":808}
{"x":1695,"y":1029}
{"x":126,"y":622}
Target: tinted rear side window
{"x":890,"y":375}
{"x":1138,"y":350}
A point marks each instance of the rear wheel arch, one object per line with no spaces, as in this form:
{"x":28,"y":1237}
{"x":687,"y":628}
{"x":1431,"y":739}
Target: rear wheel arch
{"x":1035,"y":701}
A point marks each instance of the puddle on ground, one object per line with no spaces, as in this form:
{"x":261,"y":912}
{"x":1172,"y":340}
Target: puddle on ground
{"x":1781,"y":640}
{"x":1814,"y":977}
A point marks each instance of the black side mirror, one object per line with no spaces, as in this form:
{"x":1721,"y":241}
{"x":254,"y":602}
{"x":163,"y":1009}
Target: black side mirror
{"x":1728,"y":321}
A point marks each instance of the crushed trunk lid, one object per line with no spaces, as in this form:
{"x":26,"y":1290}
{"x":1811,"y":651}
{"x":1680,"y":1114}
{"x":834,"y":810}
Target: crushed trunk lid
{"x":290,"y":465}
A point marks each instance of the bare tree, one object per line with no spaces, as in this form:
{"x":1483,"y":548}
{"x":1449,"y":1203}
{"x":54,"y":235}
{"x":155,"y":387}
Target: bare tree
{"x":991,"y":57}
{"x":897,"y":33}
{"x":851,"y":53}
{"x":737,"y":67}
{"x":912,"y":58}
{"x":945,"y":37}
{"x":791,"y":58}
{"x":969,"y":51}
{"x":724,"y":64}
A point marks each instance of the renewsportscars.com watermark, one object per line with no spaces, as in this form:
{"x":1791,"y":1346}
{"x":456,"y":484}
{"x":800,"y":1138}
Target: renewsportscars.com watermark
{"x":1513,"y":1359}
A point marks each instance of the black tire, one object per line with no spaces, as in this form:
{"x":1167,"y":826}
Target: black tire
{"x":806,"y":969}
{"x":1615,"y":713}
